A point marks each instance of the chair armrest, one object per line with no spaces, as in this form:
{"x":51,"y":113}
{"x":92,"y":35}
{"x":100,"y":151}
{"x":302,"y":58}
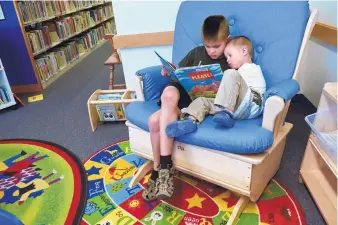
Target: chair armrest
{"x":153,"y":82}
{"x":273,"y":106}
{"x":286,"y":90}
{"x":275,"y":99}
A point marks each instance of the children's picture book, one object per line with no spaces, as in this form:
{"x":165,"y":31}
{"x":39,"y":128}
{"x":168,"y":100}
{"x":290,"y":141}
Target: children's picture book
{"x":168,"y":66}
{"x":198,"y":81}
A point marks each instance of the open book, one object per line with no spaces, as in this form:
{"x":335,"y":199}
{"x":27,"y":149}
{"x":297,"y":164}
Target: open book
{"x":198,"y":81}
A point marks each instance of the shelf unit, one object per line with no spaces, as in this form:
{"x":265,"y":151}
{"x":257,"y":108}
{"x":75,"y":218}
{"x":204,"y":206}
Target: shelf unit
{"x":4,"y":83}
{"x":319,"y":168}
{"x":64,"y":14}
{"x":94,"y":24}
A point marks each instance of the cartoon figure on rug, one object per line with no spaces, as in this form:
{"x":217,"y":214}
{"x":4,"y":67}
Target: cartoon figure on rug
{"x":8,"y":162}
{"x":106,"y":222}
{"x":154,"y":217}
{"x":91,"y":207}
{"x":34,"y":188}
{"x":15,"y":168}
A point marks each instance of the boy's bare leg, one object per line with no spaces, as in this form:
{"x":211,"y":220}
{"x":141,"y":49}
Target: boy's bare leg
{"x":169,"y":113}
{"x":154,"y":129}
{"x":149,"y":194}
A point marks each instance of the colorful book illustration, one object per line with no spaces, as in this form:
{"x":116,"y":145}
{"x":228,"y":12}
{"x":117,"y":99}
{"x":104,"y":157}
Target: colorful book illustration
{"x":198,"y":81}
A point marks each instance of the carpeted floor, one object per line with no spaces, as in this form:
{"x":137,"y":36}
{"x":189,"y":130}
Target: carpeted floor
{"x":62,"y":118}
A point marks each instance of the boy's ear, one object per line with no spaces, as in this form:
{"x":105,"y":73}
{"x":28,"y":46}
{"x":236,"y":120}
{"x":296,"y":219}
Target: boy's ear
{"x":244,"y":50}
{"x":228,"y":38}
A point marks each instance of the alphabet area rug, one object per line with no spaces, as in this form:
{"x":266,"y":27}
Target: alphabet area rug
{"x":195,"y":202}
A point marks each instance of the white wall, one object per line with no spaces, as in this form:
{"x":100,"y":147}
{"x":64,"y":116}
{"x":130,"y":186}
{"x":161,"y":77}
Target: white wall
{"x":320,"y":59}
{"x":138,"y":16}
{"x":135,"y":17}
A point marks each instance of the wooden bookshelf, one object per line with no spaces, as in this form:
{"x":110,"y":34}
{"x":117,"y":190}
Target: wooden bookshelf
{"x":74,"y":35}
{"x":65,"y":14}
{"x":99,"y":26}
{"x":71,"y":65}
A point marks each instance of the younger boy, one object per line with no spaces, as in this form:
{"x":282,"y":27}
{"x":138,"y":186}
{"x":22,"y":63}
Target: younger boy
{"x":215,"y":34}
{"x":239,"y":95}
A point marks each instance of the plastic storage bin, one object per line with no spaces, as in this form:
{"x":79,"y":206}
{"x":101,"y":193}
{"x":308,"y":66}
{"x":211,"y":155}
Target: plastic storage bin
{"x":324,"y":126}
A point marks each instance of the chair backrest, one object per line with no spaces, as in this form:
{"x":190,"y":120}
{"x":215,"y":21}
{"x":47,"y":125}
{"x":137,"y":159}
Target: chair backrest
{"x":276,"y":30}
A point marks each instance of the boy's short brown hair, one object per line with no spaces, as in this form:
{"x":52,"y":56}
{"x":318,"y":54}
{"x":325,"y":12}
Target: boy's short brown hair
{"x":215,"y":28}
{"x":241,"y":41}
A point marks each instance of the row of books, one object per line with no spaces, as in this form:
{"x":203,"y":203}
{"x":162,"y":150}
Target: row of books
{"x":4,"y":95}
{"x":35,"y":11}
{"x":53,"y":62}
{"x":52,"y":33}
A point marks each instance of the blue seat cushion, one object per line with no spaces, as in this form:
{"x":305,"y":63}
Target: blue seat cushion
{"x":246,"y":137}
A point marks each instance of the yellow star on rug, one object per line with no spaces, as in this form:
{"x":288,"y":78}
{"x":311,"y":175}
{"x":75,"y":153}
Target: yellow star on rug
{"x":195,"y":201}
{"x":146,"y":178}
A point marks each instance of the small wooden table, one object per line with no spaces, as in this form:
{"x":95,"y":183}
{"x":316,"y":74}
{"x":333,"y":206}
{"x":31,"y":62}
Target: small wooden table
{"x":319,"y":169}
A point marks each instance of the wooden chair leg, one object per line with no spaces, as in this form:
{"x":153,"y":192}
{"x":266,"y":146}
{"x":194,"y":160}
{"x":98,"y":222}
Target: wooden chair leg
{"x":111,"y":77}
{"x":144,"y":169}
{"x":239,"y":207}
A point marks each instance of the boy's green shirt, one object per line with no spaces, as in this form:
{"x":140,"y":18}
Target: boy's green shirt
{"x":198,"y":54}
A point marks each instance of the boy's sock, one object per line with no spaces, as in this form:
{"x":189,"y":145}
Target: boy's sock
{"x":154,"y":175}
{"x":224,"y":119}
{"x":180,"y":127}
{"x":165,"y":162}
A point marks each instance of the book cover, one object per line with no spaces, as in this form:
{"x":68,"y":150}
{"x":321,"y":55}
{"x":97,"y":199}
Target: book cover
{"x":198,"y":81}
{"x":106,"y":112}
{"x":168,"y":66}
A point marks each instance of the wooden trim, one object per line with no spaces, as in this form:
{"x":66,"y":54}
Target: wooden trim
{"x":325,"y":33}
{"x":26,"y":88}
{"x":29,"y":50}
{"x":142,"y":40}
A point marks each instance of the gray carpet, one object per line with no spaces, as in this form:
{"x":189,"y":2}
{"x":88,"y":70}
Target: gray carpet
{"x":62,"y":117}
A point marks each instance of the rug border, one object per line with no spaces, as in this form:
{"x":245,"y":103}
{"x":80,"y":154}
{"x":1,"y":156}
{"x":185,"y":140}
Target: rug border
{"x":77,"y":216}
{"x":297,"y":204}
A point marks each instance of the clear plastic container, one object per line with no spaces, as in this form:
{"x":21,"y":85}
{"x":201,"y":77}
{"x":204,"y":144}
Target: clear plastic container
{"x":324,"y":126}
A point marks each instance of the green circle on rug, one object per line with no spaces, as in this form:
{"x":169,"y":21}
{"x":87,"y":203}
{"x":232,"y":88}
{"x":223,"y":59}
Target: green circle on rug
{"x":41,"y":182}
{"x":195,"y":202}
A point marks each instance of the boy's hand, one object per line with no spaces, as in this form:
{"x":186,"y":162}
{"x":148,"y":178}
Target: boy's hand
{"x":164,"y":72}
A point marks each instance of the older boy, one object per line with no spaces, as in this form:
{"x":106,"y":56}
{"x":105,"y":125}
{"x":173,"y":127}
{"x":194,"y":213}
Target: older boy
{"x":215,"y":34}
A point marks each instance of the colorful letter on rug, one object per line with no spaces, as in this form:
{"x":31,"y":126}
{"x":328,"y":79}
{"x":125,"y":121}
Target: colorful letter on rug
{"x":195,"y":202}
{"x":41,"y":183}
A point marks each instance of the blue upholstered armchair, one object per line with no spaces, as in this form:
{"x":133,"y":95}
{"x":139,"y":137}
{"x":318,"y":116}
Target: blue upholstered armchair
{"x":243,"y":158}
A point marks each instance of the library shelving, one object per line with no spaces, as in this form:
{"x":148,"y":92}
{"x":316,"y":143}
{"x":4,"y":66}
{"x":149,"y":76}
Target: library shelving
{"x":57,"y":35}
{"x":6,"y":95}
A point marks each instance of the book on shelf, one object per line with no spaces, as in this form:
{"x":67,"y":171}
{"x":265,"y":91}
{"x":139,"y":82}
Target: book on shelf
{"x":54,"y":32}
{"x":33,"y":11}
{"x":52,"y":62}
{"x":4,"y":95}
